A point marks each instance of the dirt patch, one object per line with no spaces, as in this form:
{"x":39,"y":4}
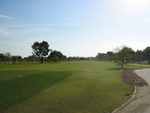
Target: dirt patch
{"x":131,"y":78}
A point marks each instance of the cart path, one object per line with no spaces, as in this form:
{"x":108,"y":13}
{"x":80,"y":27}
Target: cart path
{"x":141,"y":102}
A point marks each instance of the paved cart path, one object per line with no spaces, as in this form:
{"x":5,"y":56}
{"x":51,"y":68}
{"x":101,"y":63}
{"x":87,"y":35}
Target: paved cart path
{"x":141,"y":102}
{"x":145,"y":74}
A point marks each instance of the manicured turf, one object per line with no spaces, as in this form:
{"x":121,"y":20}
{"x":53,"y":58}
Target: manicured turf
{"x":22,"y":88}
{"x":67,"y":87}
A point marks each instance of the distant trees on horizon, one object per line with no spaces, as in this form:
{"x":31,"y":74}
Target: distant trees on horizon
{"x":6,"y":57}
{"x":41,"y":53}
{"x":125,"y":54}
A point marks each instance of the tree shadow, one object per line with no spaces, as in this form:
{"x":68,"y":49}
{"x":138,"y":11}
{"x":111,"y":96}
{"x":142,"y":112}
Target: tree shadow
{"x":116,"y":69}
{"x":18,"y":90}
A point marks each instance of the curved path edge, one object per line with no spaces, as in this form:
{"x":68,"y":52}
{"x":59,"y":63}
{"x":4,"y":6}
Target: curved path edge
{"x":139,"y":103}
{"x":135,"y":89}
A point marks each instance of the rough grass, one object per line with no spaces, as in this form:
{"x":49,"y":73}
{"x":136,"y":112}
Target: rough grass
{"x":68,"y":87}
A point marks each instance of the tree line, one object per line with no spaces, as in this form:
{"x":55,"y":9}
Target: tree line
{"x":125,"y":54}
{"x":41,"y":53}
{"x":6,"y":57}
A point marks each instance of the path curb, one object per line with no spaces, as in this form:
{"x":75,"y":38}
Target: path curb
{"x":135,"y":89}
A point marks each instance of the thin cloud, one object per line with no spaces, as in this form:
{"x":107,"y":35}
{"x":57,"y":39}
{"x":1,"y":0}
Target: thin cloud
{"x":32,"y":25}
{"x":14,"y":30}
{"x":6,"y":17}
{"x":49,"y":25}
{"x":74,"y":24}
{"x":147,"y":20}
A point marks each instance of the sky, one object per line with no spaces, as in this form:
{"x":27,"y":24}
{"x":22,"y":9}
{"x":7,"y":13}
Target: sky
{"x":74,"y":27}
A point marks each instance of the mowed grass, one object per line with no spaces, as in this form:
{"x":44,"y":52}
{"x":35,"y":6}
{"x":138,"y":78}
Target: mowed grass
{"x":66,"y":87}
{"x":15,"y":91}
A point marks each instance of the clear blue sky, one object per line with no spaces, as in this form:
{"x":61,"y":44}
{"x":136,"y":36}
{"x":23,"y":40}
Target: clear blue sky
{"x":74,"y":27}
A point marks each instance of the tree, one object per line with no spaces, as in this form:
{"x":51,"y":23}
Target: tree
{"x":14,"y":58}
{"x":138,"y":56}
{"x":101,"y":57}
{"x":116,"y":51}
{"x":2,"y":57}
{"x":8,"y":56}
{"x":30,"y":58}
{"x":41,"y":49}
{"x":125,"y":53}
{"x":110,"y":55}
{"x":19,"y":58}
{"x":147,"y":54}
{"x":56,"y":56}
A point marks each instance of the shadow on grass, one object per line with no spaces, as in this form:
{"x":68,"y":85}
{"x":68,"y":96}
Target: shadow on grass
{"x":116,"y":69}
{"x":16,"y":91}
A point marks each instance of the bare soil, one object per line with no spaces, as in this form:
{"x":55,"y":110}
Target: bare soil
{"x":131,"y":78}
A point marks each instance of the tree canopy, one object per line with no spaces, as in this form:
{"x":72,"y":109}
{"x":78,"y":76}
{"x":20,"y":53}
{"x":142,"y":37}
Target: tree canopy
{"x":41,"y":49}
{"x":56,"y":56}
{"x":147,"y":53}
{"x":1,"y":57}
{"x":125,"y":53}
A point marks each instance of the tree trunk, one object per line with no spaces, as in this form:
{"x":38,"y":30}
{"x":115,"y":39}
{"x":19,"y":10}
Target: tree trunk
{"x":41,"y":60}
{"x":122,"y":63}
